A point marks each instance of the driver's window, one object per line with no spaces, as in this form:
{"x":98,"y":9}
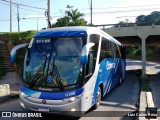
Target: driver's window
{"x":92,"y":57}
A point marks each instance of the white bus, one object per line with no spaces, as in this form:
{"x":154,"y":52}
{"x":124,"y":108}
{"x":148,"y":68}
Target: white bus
{"x":69,"y":69}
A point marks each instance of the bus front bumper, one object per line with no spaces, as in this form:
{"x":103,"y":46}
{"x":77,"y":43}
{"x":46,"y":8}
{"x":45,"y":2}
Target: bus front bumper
{"x":60,"y":107}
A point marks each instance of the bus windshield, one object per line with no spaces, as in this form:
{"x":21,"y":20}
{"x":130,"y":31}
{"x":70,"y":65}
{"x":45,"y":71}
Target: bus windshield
{"x":53,"y":62}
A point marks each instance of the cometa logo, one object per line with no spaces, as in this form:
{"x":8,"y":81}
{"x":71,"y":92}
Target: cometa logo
{"x":110,"y":65}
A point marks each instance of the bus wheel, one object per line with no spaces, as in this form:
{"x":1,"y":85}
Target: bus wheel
{"x":98,"y":98}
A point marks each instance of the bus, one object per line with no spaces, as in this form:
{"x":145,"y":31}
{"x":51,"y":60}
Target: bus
{"x":69,"y":69}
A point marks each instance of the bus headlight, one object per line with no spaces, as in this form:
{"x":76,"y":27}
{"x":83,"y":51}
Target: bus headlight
{"x":72,"y":99}
{"x":23,"y":94}
{"x":22,"y":105}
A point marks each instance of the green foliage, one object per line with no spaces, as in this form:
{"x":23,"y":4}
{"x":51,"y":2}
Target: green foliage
{"x":61,"y":22}
{"x":72,"y":18}
{"x":154,"y":17}
{"x":143,"y":20}
{"x":152,"y":53}
{"x":145,"y":86}
{"x":16,"y":38}
{"x":133,"y":52}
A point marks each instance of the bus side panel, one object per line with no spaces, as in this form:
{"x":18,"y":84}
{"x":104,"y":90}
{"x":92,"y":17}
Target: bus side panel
{"x":87,"y":98}
{"x":108,"y":75}
{"x":116,"y":73}
{"x":105,"y":75}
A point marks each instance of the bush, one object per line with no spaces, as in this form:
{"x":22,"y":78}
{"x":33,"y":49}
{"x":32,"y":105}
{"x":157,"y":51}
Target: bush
{"x":16,"y":38}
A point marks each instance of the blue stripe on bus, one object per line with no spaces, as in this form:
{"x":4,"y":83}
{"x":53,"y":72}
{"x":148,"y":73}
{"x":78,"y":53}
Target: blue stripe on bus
{"x":109,"y":77}
{"x":51,"y":95}
{"x":60,"y":34}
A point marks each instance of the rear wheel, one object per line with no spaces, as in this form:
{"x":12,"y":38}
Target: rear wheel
{"x":98,"y":98}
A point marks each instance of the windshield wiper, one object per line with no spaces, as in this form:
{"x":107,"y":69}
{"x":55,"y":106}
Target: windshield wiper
{"x":56,"y":75}
{"x":37,"y":75}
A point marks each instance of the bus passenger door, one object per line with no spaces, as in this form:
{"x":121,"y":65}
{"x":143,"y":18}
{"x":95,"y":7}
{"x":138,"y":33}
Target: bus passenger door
{"x":90,"y":71}
{"x":90,"y":79}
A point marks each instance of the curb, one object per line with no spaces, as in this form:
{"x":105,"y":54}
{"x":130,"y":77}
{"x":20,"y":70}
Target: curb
{"x":146,"y":100}
{"x":142,"y":104}
{"x":13,"y":95}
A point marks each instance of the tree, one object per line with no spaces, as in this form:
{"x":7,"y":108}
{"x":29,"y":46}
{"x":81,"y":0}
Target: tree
{"x":72,"y":18}
{"x":76,"y":17}
{"x":154,"y":17}
{"x":61,"y":22}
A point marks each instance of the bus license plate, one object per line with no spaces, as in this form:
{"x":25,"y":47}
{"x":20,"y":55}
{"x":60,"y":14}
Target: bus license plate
{"x":44,"y":109}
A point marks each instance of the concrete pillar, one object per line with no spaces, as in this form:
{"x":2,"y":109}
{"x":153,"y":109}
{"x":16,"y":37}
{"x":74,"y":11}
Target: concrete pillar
{"x":143,"y":58}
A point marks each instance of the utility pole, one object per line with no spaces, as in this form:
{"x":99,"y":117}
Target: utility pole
{"x":10,"y":15}
{"x":48,"y":15}
{"x":91,"y":12}
{"x":18,"y":17}
{"x":37,"y":24}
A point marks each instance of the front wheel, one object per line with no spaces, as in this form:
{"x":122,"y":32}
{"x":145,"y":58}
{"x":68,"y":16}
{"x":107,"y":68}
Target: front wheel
{"x":98,"y":98}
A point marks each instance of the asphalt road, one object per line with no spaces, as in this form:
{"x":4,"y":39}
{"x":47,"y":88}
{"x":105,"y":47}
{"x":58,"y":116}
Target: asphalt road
{"x":121,"y":98}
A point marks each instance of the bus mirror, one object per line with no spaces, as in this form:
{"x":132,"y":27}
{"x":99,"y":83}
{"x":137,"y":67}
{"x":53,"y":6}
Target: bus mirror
{"x":14,"y":50}
{"x":85,"y":53}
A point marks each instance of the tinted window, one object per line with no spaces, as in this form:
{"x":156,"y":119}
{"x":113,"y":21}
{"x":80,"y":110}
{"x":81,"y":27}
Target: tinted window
{"x":109,"y":49}
{"x":92,"y":57}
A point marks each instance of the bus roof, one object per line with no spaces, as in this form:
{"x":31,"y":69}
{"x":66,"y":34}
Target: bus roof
{"x":73,"y":31}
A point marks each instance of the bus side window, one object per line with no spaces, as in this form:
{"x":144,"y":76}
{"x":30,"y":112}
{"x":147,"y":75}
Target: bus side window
{"x":90,"y":65}
{"x":106,"y":49}
{"x":92,"y":57}
{"x":115,"y":51}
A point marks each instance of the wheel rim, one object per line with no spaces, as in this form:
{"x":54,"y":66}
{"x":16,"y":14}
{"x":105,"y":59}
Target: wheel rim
{"x":99,"y":97}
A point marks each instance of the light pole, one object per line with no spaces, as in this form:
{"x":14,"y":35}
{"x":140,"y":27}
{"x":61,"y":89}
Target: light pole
{"x":18,"y":17}
{"x":10,"y":15}
{"x":47,"y":14}
{"x":37,"y":24}
{"x":91,"y":12}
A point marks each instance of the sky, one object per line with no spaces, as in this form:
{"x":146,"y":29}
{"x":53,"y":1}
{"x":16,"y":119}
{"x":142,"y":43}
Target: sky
{"x":104,"y":12}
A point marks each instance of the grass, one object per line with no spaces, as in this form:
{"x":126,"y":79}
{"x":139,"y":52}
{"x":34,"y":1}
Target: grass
{"x":16,"y":38}
{"x":145,"y":86}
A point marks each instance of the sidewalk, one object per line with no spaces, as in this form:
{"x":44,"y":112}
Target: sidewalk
{"x":14,"y":80}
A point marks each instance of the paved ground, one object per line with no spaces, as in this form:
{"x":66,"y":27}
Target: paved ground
{"x":154,"y":83}
{"x":13,"y":79}
{"x":151,"y":69}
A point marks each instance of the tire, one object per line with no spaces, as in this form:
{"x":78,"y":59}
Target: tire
{"x":98,"y":98}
